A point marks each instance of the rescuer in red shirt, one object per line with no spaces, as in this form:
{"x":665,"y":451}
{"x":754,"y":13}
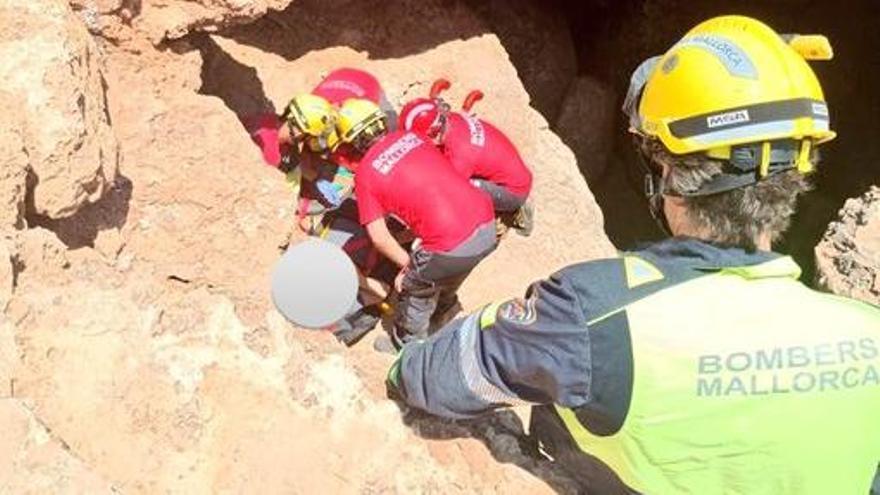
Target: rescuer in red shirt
{"x":402,"y":174}
{"x":478,"y":150}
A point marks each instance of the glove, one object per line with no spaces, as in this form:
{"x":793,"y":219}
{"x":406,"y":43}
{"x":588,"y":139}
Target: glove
{"x":329,"y":192}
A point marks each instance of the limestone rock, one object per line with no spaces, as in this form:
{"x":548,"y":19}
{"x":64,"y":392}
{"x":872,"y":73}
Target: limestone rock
{"x":50,"y":64}
{"x":163,"y":20}
{"x":171,"y":19}
{"x":198,"y":384}
{"x":848,"y":257}
{"x":40,"y":253}
{"x":13,"y":166}
{"x":185,"y":400}
{"x":187,"y":406}
{"x":32,"y":461}
{"x":7,"y":274}
{"x":587,"y":123}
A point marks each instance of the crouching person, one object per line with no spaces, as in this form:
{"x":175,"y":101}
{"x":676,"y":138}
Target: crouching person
{"x":402,"y":174}
{"x":478,"y":151}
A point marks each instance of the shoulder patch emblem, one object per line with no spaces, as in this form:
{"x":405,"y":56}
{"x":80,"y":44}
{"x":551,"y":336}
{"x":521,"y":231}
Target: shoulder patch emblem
{"x":519,"y":311}
{"x":640,"y":272}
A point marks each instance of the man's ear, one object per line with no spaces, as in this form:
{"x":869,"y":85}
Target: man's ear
{"x":674,"y":200}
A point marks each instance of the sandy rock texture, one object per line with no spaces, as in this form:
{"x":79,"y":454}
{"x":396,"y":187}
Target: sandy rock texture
{"x":141,"y":333}
{"x":162,"y":20}
{"x":60,"y":128}
{"x":33,"y":461}
{"x":13,"y":165}
{"x":848,"y":258}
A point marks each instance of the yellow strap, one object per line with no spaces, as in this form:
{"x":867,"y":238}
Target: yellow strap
{"x":804,"y":165}
{"x":324,"y":231}
{"x":765,"y":159}
{"x":719,"y":153}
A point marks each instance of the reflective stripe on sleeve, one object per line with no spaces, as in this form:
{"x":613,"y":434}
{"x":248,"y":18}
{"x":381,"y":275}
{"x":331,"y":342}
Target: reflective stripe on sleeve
{"x":470,"y":367}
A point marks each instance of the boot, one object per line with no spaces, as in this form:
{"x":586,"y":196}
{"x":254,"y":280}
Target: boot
{"x":388,"y":343}
{"x":354,"y":327}
{"x":524,"y":219}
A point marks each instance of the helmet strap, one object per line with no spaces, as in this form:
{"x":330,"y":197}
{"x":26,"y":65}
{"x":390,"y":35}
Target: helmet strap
{"x":749,"y":163}
{"x":438,"y":128}
{"x":366,"y":138}
{"x":323,"y":140}
{"x":654,"y":189}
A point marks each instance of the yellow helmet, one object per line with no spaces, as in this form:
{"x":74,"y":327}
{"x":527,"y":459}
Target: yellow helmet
{"x":359,"y":119}
{"x":730,"y":81}
{"x":315,"y":117}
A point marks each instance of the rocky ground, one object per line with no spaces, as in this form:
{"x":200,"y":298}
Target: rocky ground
{"x":139,"y":351}
{"x":848,"y":258}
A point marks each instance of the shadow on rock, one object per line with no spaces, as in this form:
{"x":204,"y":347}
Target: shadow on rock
{"x":233,"y":82}
{"x":384,"y":29}
{"x":82,"y":228}
{"x":503,"y":434}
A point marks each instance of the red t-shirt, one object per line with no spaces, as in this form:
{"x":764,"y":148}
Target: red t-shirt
{"x":405,"y":175}
{"x":477,"y":149}
{"x":345,"y":83}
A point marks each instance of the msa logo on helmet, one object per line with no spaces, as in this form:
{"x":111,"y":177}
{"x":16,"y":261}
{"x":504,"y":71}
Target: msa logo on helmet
{"x":729,"y":118}
{"x":478,"y":134}
{"x":386,"y":161}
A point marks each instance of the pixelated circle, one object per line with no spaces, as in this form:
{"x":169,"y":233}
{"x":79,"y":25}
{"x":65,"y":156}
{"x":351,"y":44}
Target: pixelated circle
{"x":314,"y":284}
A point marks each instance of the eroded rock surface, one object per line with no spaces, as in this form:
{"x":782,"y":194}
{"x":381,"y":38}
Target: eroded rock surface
{"x":162,"y":20}
{"x":50,"y":65}
{"x":848,"y":258}
{"x":152,"y":349}
{"x":32,"y":461}
{"x":13,"y":165}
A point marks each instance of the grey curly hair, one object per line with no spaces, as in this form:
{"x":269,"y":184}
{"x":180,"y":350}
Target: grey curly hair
{"x":734,"y":218}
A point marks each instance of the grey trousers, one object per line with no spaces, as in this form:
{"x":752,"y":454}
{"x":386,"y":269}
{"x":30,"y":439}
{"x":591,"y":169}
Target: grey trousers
{"x":430,"y":286}
{"x":502,"y":199}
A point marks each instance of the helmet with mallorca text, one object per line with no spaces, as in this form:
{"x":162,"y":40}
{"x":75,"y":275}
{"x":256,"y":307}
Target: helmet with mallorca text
{"x":735,"y":90}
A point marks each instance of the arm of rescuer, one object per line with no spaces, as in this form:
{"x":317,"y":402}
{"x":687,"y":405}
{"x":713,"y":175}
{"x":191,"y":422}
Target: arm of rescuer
{"x":372,"y":217}
{"x":385,"y":242}
{"x":533,"y":350}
